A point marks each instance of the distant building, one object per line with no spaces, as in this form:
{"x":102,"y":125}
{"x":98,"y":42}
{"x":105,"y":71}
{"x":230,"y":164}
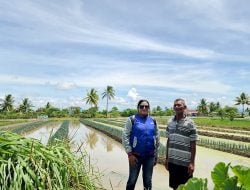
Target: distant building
{"x":42,"y":117}
{"x":190,"y":112}
{"x":74,"y":110}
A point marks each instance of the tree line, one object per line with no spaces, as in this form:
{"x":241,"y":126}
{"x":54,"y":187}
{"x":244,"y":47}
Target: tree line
{"x":214,"y":109}
{"x":25,"y":108}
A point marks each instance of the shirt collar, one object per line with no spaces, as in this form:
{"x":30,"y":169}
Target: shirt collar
{"x":182,"y":119}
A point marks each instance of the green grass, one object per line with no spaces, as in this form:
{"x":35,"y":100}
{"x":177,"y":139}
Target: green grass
{"x":10,"y":122}
{"x":243,"y":124}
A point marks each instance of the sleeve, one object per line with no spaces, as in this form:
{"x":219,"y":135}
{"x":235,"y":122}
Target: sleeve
{"x":193,"y":131}
{"x":126,"y":136}
{"x":167,"y":129}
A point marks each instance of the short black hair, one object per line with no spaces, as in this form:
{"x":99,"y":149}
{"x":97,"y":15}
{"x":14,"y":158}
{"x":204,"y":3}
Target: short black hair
{"x":140,"y":101}
{"x":182,"y":100}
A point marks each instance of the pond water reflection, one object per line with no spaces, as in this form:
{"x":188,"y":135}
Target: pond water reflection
{"x":43,"y":133}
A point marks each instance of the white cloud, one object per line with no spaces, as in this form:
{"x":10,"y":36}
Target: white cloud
{"x":225,"y":101}
{"x":119,"y":101}
{"x":182,"y":78}
{"x":73,"y":27}
{"x":41,"y":101}
{"x":66,"y":46}
{"x":132,"y":93}
{"x":66,"y":85}
{"x":76,"y":101}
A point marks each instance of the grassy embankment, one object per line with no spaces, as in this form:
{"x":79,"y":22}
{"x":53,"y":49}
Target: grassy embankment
{"x":233,"y":141}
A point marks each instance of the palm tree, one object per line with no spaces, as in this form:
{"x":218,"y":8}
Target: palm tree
{"x":212,"y":107}
{"x":108,"y":144}
{"x":91,"y":139}
{"x":25,"y":106}
{"x":242,"y":100}
{"x":92,"y":98}
{"x":48,"y":105}
{"x":202,"y":107}
{"x":218,"y":105}
{"x":109,"y":93}
{"x":7,"y":103}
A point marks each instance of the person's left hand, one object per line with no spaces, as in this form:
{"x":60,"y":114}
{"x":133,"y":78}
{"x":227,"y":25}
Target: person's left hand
{"x":190,"y":168}
{"x":132,"y":160}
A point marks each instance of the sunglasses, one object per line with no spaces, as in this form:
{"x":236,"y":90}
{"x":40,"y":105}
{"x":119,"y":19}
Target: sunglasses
{"x":143,"y":106}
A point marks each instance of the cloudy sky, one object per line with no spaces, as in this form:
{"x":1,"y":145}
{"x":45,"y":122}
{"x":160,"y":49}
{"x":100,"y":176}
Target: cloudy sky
{"x":57,"y":50}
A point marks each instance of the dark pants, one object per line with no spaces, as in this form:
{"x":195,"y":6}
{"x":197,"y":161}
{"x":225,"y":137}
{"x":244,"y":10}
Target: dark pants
{"x":177,"y":175}
{"x":147,"y":164}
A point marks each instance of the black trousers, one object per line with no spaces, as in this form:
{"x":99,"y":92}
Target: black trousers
{"x":177,"y":175}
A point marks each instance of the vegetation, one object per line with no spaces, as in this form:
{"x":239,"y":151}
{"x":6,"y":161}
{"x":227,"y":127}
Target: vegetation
{"x":60,"y":134}
{"x":23,"y":127}
{"x":27,"y":164}
{"x":7,"y":103}
{"x":215,"y":122}
{"x":26,"y":106}
{"x":92,"y":98}
{"x":28,"y":126}
{"x":24,"y":109}
{"x":243,"y":100}
{"x":113,"y":131}
{"x":234,"y":147}
{"x":10,"y":122}
{"x":108,"y":93}
{"x":214,"y":109}
{"x":202,"y":107}
{"x":239,"y":180}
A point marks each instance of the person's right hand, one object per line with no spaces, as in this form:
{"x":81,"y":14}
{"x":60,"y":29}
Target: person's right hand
{"x":132,"y":160}
{"x":166,"y":164}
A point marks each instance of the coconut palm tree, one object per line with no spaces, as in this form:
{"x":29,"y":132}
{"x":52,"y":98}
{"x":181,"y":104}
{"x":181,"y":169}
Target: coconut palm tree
{"x":212,"y":107}
{"x":107,"y":144}
{"x":108,"y":93}
{"x":92,"y":98}
{"x":242,"y":100}
{"x":202,"y":107}
{"x":91,"y":139}
{"x":48,"y":105}
{"x":25,"y":106}
{"x":7,"y":103}
{"x":218,"y":105}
